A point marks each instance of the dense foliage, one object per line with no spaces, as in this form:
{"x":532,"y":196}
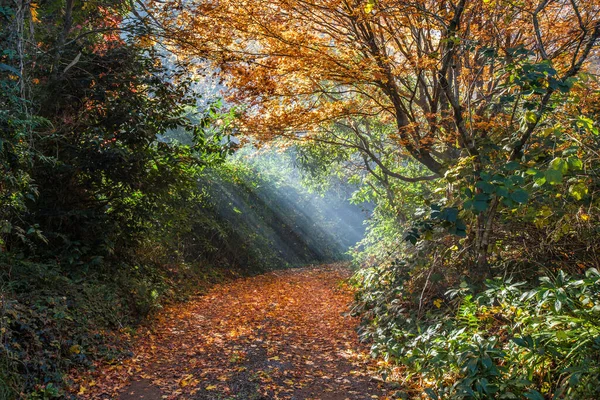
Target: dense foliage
{"x":426,"y":305}
{"x":469,"y":130}
{"x":467,"y":89}
{"x":472,"y":126}
{"x":512,"y":340}
{"x":115,"y":197}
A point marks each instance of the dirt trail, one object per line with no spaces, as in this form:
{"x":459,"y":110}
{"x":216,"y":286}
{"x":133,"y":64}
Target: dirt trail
{"x":280,"y":335}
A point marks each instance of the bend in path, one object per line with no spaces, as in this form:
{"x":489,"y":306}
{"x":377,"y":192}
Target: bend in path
{"x":282,"y":335}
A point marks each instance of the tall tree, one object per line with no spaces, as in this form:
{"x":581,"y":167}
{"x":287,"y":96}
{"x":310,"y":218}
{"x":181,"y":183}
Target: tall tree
{"x":473,"y":80}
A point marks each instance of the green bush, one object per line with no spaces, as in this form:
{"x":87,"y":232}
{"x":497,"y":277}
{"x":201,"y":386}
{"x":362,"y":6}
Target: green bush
{"x":510,"y":341}
{"x":52,"y":321}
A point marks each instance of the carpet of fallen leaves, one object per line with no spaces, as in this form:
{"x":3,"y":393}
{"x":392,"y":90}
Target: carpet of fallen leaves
{"x":282,"y":335}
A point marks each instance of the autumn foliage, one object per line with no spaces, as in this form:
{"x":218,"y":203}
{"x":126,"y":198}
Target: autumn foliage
{"x":149,"y":149}
{"x":476,"y":80}
{"x":280,"y":335}
{"x":434,"y":69}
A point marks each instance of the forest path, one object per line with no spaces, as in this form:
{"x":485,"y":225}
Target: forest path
{"x":280,"y":335}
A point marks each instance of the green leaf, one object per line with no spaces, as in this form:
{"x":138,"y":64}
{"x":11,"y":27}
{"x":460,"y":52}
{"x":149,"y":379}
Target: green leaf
{"x":508,"y":202}
{"x":451,"y":214}
{"x":587,"y":124}
{"x":502,"y":191}
{"x":574,"y":163}
{"x":561,"y":335}
{"x":486,"y":187}
{"x":578,"y":190}
{"x":574,"y":379}
{"x":570,"y":151}
{"x":532,"y":171}
{"x":512,"y":166}
{"x":520,"y":196}
{"x":533,"y":395}
{"x":480,"y":206}
{"x":480,"y":202}
{"x":432,"y":395}
{"x":530,"y":117}
{"x":487,"y":362}
{"x":4,"y":67}
{"x":560,"y":165}
{"x":482,"y":197}
{"x":553,"y":176}
{"x":515,"y":180}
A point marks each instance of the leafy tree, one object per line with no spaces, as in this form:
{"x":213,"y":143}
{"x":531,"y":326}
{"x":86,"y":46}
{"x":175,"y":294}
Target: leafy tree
{"x":85,"y":179}
{"x":463,"y":85}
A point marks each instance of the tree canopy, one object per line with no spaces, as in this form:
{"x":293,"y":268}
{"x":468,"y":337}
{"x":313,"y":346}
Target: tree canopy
{"x":447,"y":150}
{"x":448,"y":75}
{"x":459,"y":85}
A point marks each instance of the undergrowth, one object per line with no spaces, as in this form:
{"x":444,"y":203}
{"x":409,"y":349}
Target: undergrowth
{"x":51,"y":322}
{"x":512,"y":340}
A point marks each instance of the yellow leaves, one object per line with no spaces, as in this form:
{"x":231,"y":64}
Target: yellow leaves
{"x":437,"y":303}
{"x":146,"y":41}
{"x":75,"y":349}
{"x":188,"y":380}
{"x":211,"y":387}
{"x":584,"y":217}
{"x":369,"y":6}
{"x":33,"y":9}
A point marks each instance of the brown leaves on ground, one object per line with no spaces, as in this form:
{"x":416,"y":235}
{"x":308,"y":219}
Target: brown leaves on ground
{"x":281,"y":335}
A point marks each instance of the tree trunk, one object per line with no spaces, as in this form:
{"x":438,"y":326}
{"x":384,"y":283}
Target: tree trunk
{"x":485,"y":227}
